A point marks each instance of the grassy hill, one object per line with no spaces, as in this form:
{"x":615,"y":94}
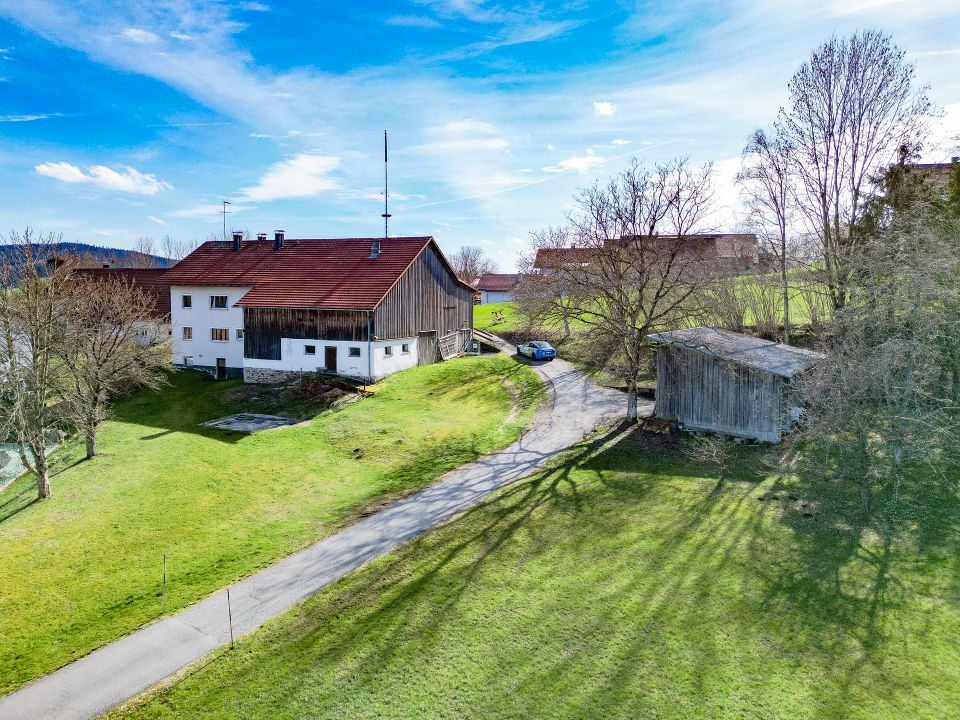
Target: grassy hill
{"x":622,"y":583}
{"x":85,"y":567}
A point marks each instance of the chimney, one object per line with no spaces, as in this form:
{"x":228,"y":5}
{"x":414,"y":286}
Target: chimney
{"x":106,"y":266}
{"x":573,"y":246}
{"x":261,"y":237}
{"x":955,"y":159}
{"x":374,"y":249}
{"x":237,"y":239}
{"x":278,"y":240}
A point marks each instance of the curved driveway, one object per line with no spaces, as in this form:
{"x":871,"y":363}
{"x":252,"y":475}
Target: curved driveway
{"x":128,"y":666}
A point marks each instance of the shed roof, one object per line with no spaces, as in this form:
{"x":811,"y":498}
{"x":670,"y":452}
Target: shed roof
{"x":497,"y":282}
{"x":776,"y":358}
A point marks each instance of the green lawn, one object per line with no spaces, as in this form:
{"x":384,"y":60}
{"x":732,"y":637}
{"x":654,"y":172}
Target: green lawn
{"x":623,"y":584}
{"x":484,"y":317}
{"x":85,"y":567}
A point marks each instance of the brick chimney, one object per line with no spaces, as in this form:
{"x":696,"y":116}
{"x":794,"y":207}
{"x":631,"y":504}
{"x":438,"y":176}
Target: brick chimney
{"x":278,"y":240}
{"x":237,"y":240}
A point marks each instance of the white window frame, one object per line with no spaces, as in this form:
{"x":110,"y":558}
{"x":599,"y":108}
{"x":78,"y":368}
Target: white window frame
{"x":187,"y":333}
{"x":239,"y":333}
{"x":226,"y":302}
{"x":224,"y":331}
{"x":353,"y":352}
{"x":405,"y":348}
{"x":388,"y":350}
{"x":186,"y":302}
{"x":310,"y":350}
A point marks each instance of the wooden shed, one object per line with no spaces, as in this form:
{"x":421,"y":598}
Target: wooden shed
{"x":726,"y":382}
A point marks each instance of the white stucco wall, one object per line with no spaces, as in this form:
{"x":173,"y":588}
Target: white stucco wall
{"x":293,"y":357}
{"x":202,"y":318}
{"x":490,"y":296}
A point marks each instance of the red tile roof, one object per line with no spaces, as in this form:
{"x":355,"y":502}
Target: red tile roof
{"x":152,"y":281}
{"x":329,"y":274}
{"x":497,"y":282}
{"x":721,"y":245}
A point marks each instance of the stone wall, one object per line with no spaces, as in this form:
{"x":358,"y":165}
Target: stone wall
{"x":266,"y":376}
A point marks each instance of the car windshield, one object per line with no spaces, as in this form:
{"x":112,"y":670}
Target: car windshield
{"x":540,"y":344}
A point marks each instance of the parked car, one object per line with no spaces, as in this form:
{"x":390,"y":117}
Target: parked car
{"x":537,"y":350}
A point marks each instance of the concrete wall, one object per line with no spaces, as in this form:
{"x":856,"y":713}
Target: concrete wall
{"x":202,"y":318}
{"x":294,"y":360}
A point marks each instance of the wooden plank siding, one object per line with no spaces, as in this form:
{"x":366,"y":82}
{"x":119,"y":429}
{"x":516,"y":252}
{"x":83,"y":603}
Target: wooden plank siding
{"x":706,"y":393}
{"x":426,"y":298}
{"x":264,"y":327}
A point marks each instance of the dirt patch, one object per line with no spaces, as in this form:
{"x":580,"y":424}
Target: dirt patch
{"x":511,"y":387}
{"x":300,"y":399}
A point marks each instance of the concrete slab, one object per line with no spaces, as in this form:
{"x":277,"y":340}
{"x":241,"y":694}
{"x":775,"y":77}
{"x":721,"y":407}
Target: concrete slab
{"x":250,"y":422}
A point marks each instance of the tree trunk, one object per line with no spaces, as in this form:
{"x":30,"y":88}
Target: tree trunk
{"x":786,"y":299}
{"x":43,"y":479}
{"x":91,"y":438}
{"x":865,"y":497}
{"x":632,"y":401}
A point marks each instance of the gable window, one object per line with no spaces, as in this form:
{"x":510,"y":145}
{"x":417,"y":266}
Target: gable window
{"x":309,"y":349}
{"x":239,"y":334}
{"x":354,"y":352}
{"x":388,"y":350}
{"x":187,"y":301}
{"x":218,"y":302}
{"x":220,"y":334}
{"x":188,"y":333}
{"x":405,"y":348}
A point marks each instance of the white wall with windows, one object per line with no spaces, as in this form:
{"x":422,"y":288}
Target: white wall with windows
{"x":353,"y":359}
{"x":206,"y":325}
{"x":495,"y":296}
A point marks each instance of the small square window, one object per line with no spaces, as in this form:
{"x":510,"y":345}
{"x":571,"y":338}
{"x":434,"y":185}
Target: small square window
{"x":188,"y":333}
{"x":188,"y":360}
{"x":354,"y":352}
{"x":405,"y":348}
{"x":218,"y":302}
{"x":388,"y":350}
{"x":187,"y":301}
{"x":309,"y":349}
{"x":219,"y":334}
{"x":239,"y":334}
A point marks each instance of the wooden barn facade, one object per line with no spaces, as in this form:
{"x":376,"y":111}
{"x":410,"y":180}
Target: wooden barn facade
{"x":359,"y":307}
{"x":725,"y":382}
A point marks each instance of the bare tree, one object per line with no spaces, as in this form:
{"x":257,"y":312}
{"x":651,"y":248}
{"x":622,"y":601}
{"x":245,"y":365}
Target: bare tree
{"x":887,"y":400}
{"x":767,"y":179}
{"x":542,"y":298}
{"x":853,"y":107}
{"x":711,"y":449}
{"x":642,"y":273}
{"x":103,"y":357}
{"x":35,"y":288}
{"x":177,"y":250}
{"x":470,"y":262}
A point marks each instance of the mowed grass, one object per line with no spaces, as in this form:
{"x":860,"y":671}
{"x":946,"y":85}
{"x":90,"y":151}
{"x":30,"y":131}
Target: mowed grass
{"x":484,"y":317}
{"x":85,"y":567}
{"x":621,"y":584}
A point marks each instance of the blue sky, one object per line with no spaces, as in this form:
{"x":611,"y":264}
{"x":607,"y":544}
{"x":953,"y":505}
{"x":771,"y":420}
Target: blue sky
{"x":125,"y":119}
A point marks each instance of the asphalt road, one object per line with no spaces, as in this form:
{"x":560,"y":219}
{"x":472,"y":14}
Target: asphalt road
{"x":127,"y":667}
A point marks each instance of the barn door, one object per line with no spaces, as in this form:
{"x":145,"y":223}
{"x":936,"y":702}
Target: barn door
{"x":330,"y":359}
{"x":427,"y":347}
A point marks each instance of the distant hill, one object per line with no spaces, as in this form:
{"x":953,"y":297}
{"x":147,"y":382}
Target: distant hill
{"x":96,"y":256}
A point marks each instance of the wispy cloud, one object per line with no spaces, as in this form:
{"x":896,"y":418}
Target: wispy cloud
{"x":620,"y":141}
{"x":126,"y":180}
{"x":414,"y":21}
{"x":208,"y":212}
{"x":139,"y":35}
{"x":158,"y":221}
{"x":27,"y":118}
{"x":301,"y":176}
{"x":577,"y":163}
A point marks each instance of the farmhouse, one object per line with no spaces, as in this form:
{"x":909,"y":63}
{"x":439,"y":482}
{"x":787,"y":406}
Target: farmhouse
{"x":496,"y":287}
{"x":153,"y":283}
{"x":725,"y":382}
{"x":358,"y":307}
{"x":734,"y":253}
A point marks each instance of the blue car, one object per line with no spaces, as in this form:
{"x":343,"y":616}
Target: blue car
{"x":537,"y":350}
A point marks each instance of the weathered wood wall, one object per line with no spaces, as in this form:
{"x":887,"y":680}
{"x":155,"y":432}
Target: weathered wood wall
{"x":705,"y":393}
{"x":263,"y":328}
{"x":427,"y":297}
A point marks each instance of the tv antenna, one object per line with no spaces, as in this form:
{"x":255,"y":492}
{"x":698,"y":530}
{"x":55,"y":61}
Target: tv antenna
{"x":225,"y":212}
{"x":386,"y":191}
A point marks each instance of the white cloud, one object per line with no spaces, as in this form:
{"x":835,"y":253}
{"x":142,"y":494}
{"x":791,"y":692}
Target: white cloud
{"x":417,"y":21}
{"x":208,"y":212}
{"x":181,"y":36}
{"x":25,"y":118}
{"x":604,"y":108}
{"x":620,"y":141}
{"x":139,"y":35}
{"x":127,"y":180}
{"x":300,"y":176}
{"x":158,"y":221}
{"x":577,"y":163}
{"x":256,"y":7}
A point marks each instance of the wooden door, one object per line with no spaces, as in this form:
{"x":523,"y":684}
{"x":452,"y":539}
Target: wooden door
{"x":330,"y":359}
{"x":221,"y":368}
{"x":427,"y":348}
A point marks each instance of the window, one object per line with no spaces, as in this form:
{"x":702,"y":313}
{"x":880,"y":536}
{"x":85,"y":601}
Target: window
{"x":187,"y":301}
{"x":309,"y":349}
{"x":239,"y":334}
{"x":188,"y":360}
{"x":354,"y":352}
{"x":188,"y":333}
{"x":218,"y":302}
{"x":405,"y":348}
{"x":388,"y":350}
{"x":220,"y":334}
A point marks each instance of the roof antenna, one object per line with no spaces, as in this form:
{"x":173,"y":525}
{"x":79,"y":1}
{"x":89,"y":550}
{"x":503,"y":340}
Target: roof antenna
{"x":375,"y":246}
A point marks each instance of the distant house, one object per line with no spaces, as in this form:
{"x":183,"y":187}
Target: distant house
{"x":496,"y":287}
{"x":725,"y":382}
{"x":358,"y":307}
{"x":152,"y":281}
{"x":735,"y":253}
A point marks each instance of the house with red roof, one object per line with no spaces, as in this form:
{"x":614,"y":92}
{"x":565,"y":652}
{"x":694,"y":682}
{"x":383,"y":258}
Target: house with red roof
{"x":153,"y":283}
{"x":363,"y":308}
{"x":497,"y":287}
